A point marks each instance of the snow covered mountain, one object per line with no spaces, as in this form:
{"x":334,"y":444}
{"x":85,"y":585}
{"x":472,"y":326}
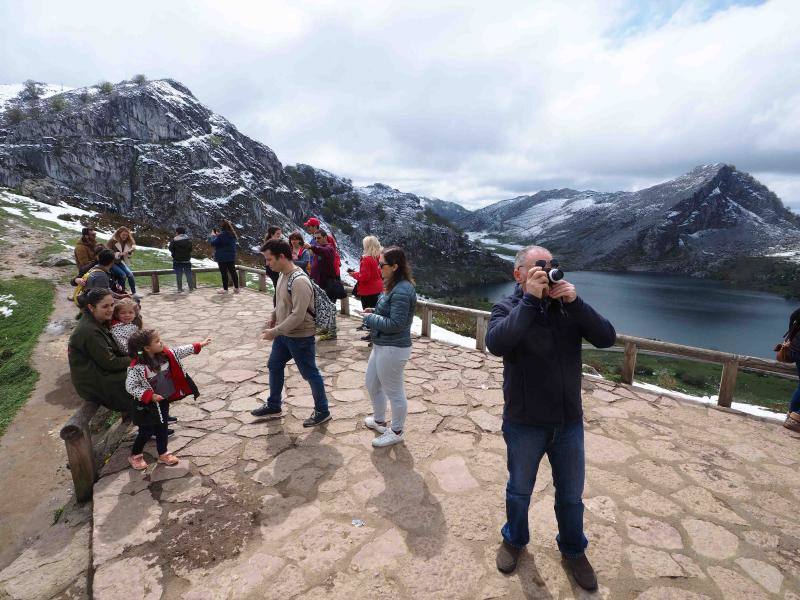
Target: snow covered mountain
{"x":444,"y":258}
{"x":151,"y":151}
{"x":688,"y":224}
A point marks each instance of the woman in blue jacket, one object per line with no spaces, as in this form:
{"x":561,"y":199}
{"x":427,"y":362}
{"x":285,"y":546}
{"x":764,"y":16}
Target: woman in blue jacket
{"x":224,"y":242}
{"x":390,"y":325}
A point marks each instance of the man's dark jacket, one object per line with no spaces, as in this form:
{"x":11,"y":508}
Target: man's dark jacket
{"x":181,"y":248}
{"x":541,"y":350}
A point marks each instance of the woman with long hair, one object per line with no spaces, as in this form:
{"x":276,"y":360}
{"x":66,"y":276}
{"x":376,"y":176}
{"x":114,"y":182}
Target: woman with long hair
{"x":97,"y":365}
{"x":122,"y":245}
{"x":390,"y":324}
{"x":369,"y":282}
{"x":224,"y":242}
{"x":300,"y":256}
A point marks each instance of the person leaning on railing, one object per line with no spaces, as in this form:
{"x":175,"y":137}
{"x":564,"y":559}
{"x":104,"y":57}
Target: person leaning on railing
{"x":97,"y":365}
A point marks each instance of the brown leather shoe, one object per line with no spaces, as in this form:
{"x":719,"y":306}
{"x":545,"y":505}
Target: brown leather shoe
{"x":507,"y":556}
{"x":581,"y":571}
{"x":792,"y":421}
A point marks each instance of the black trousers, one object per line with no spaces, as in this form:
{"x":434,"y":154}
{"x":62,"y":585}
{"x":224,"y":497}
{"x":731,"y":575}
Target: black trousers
{"x":369,"y":301}
{"x":224,"y":269}
{"x":148,"y":431}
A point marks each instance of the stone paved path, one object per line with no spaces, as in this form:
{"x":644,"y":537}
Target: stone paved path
{"x":682,"y":501}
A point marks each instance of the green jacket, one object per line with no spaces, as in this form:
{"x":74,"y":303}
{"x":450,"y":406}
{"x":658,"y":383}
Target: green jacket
{"x":97,"y":366}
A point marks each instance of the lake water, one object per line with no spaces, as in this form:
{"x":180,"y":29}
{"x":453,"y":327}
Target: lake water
{"x":694,"y":312}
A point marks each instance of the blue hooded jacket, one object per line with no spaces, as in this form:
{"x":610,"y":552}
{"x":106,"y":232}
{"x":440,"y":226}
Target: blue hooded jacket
{"x":224,"y":246}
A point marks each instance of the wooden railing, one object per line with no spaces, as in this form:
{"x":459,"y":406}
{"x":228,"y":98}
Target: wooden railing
{"x":86,"y":453}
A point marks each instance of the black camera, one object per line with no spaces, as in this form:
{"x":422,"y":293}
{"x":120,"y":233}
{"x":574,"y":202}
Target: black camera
{"x":554,"y":274}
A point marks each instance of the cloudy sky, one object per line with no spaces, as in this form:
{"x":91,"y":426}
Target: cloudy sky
{"x":463,"y":100}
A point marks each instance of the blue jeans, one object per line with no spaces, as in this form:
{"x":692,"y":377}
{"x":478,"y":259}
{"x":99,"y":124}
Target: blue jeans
{"x":564,"y":448}
{"x":303,"y":351}
{"x":184,"y":269}
{"x":123,"y":272}
{"x":794,"y":405}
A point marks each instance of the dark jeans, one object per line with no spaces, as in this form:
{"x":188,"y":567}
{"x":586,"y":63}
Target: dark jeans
{"x":184,"y":269}
{"x":794,"y":406}
{"x":224,"y":269}
{"x":148,"y":431}
{"x":122,"y":272}
{"x":564,"y":448}
{"x":303,"y":351}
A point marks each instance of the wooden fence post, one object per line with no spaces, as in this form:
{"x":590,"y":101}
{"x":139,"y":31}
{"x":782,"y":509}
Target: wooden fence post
{"x":242,"y":278}
{"x":154,"y":280}
{"x":346,"y":305}
{"x":262,"y":282}
{"x":193,"y":276}
{"x":727,"y":383}
{"x":480,"y":333}
{"x":80,"y":453}
{"x":426,"y":321}
{"x":629,"y":363}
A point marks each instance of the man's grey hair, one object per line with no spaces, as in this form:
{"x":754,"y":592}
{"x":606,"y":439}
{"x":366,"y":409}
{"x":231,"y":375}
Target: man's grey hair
{"x":523,"y":254}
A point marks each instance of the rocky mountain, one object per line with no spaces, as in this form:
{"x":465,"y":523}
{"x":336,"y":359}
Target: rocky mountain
{"x":689,"y":224}
{"x":444,"y":258}
{"x":449,"y":210}
{"x":153,"y":152}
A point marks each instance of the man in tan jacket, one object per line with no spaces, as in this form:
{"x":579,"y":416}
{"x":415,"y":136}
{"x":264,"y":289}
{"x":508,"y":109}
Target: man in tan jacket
{"x":291,"y":329}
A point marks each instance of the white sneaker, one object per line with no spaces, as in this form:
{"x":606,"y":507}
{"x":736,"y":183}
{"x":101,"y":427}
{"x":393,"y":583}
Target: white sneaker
{"x":388,"y":438}
{"x":222,"y":291}
{"x":370,"y":422}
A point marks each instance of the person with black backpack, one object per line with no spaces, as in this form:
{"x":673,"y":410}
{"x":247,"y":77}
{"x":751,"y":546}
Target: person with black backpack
{"x":291,"y":329}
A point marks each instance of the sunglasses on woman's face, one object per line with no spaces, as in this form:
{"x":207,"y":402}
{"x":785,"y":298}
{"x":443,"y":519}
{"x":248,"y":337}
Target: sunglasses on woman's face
{"x":383,"y":264}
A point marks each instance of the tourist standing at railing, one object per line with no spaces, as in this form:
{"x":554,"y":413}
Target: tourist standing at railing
{"x":97,"y":365}
{"x":224,"y":242}
{"x":538,"y":331}
{"x":312,"y":227}
{"x":180,"y":247}
{"x":793,"y":336}
{"x":390,"y":326}
{"x":324,"y":274}
{"x":291,"y":328}
{"x":123,"y":245}
{"x":300,"y":256}
{"x":369,"y":283}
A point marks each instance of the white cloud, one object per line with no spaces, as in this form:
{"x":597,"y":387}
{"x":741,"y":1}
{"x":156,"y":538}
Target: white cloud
{"x":471,"y":102}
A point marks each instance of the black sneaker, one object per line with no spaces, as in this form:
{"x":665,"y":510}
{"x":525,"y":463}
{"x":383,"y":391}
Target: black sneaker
{"x":172,"y":419}
{"x":317,"y":418}
{"x":170,"y":432}
{"x":582,"y":571}
{"x":266,"y":411}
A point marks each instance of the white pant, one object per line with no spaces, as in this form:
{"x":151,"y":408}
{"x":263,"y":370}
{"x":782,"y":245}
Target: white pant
{"x":385,"y":381}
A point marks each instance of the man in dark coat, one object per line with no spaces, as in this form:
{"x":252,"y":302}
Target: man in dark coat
{"x":538,"y":331}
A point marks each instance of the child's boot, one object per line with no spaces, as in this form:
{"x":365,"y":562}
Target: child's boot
{"x":137,"y":461}
{"x":168,"y":459}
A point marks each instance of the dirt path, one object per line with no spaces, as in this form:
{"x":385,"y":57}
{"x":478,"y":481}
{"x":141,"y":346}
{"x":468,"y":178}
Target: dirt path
{"x":34,"y":480}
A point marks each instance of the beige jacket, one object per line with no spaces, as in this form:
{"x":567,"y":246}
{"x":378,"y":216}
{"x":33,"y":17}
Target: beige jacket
{"x":292,"y":311}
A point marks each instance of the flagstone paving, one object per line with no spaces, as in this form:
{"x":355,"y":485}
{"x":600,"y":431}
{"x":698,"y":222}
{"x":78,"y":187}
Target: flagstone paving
{"x":682,"y":501}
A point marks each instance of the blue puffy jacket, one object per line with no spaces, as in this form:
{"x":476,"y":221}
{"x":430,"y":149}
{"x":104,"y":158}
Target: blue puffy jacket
{"x":224,"y":246}
{"x":390,"y":324}
{"x":541,"y":348}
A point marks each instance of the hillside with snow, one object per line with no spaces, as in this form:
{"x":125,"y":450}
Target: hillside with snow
{"x":689,"y":224}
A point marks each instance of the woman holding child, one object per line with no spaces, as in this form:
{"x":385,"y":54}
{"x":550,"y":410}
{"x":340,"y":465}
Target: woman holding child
{"x":390,"y":326}
{"x":97,"y":365}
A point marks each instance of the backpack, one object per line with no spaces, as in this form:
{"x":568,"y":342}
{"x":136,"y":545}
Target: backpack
{"x":81,"y":287}
{"x":324,"y":312}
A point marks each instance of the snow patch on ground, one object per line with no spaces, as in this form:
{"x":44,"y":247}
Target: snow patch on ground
{"x":46,"y":212}
{"x":7,"y":304}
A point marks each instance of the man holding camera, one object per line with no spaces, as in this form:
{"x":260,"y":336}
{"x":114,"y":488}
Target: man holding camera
{"x":538,"y":331}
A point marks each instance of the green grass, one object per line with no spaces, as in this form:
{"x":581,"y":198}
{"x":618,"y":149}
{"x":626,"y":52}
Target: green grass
{"x":18,"y":335}
{"x":696,"y":378}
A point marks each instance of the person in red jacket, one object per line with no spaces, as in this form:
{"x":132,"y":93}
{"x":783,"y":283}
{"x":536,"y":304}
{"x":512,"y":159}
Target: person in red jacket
{"x":368,"y":276}
{"x":312,"y":226}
